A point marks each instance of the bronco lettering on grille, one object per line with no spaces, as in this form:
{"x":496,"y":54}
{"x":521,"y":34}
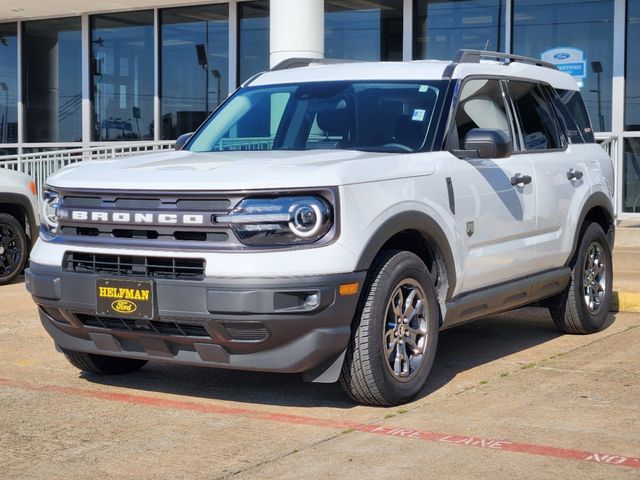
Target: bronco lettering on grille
{"x":139,"y":218}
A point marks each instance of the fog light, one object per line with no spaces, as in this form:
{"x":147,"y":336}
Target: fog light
{"x":312,"y":301}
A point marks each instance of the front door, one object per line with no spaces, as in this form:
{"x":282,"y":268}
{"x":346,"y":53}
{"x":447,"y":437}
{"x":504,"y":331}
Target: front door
{"x":495,"y":215}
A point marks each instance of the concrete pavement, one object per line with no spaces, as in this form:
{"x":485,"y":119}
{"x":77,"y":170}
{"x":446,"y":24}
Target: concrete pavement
{"x":509,"y":397}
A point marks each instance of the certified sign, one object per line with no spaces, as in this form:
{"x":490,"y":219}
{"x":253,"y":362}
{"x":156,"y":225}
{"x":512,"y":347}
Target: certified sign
{"x":568,"y":59}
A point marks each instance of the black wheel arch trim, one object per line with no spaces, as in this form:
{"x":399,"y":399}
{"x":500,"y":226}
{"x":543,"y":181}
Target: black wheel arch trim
{"x":411,"y":220}
{"x":23,"y":202}
{"x":597,"y":199}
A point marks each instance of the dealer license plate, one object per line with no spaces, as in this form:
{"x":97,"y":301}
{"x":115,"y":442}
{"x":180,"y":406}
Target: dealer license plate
{"x":124,"y":298}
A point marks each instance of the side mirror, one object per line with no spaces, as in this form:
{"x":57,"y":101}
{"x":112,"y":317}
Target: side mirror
{"x":182,"y":140}
{"x":485,"y":143}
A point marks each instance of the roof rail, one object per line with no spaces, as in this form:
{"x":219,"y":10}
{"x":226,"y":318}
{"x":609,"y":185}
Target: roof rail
{"x":305,"y":62}
{"x":474,"y":56}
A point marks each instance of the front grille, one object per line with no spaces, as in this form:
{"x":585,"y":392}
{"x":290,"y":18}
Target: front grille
{"x":174,"y":328}
{"x":129,"y":265}
{"x":150,"y":205}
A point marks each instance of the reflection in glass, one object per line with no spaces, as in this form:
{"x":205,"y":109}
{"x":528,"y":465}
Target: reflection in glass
{"x":195,"y":65}
{"x":122,"y":80}
{"x":631,"y":176}
{"x":440,"y":28}
{"x":586,"y":25}
{"x":253,"y":38}
{"x":8,"y":84}
{"x":632,"y":112}
{"x":370,"y":30}
{"x":53,"y":80}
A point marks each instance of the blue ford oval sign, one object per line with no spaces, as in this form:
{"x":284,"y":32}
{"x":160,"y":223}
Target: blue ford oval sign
{"x":561,"y":56}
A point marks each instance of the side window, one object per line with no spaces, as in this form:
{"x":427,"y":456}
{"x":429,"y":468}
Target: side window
{"x":567,"y":122}
{"x":536,"y":118}
{"x":481,"y":105}
{"x":573,"y":101}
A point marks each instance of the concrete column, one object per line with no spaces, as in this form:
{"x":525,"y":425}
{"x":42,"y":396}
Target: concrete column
{"x":296,"y":29}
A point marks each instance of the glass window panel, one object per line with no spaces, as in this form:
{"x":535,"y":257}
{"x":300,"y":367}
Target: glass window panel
{"x":536,"y":119}
{"x":631,"y":175}
{"x":53,"y":80}
{"x":363,"y":30}
{"x":122,"y":77}
{"x":372,"y":116}
{"x":195,"y":65}
{"x":253,"y":38}
{"x":586,"y":25}
{"x":481,"y":105}
{"x":632,"y":112}
{"x":8,"y":83}
{"x":440,"y":28}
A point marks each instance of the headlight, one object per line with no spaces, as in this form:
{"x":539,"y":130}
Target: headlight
{"x":50,"y":205}
{"x":280,"y":221}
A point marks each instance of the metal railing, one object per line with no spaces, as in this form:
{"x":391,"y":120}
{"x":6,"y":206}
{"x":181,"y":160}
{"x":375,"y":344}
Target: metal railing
{"x":42,"y":164}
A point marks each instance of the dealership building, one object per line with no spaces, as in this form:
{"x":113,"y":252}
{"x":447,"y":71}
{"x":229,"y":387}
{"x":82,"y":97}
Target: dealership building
{"x":78,"y":73}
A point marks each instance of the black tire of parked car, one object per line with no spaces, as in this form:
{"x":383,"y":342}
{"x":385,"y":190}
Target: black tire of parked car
{"x":14,"y":248}
{"x":368,"y":372}
{"x":577,"y":310}
{"x":102,"y":364}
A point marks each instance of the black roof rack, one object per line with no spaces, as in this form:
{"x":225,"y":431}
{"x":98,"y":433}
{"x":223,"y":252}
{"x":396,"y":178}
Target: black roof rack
{"x":305,"y":62}
{"x":474,"y":56}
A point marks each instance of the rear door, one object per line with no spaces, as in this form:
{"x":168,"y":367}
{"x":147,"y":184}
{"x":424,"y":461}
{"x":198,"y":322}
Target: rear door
{"x":494,"y":218}
{"x":559,"y":170}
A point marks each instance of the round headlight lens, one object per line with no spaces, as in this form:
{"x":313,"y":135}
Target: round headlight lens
{"x":50,"y":205}
{"x":306,"y":218}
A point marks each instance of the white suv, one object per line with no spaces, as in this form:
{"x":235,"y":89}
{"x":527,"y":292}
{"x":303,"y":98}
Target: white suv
{"x":330,"y":219}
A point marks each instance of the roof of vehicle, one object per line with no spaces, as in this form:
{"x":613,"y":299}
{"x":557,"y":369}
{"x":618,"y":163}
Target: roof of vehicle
{"x":415,"y":70}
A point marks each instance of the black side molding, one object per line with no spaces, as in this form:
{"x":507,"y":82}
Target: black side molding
{"x":505,"y":296}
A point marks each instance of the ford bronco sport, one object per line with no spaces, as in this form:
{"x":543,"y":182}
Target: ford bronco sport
{"x":330,"y":219}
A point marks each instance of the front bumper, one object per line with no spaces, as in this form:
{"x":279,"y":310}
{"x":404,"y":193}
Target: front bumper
{"x":250,"y":324}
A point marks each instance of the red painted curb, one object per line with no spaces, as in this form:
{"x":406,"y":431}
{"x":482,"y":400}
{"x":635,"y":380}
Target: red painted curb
{"x":470,"y":441}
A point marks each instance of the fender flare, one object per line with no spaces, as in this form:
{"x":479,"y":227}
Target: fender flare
{"x":23,"y":201}
{"x":597,"y":199}
{"x":411,"y":220}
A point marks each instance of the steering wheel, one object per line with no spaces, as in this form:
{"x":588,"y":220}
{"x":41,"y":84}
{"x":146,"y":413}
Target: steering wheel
{"x":399,"y":146}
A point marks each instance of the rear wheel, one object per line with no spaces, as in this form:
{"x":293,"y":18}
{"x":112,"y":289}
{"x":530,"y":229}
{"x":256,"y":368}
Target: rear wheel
{"x":103,"y":364}
{"x":584,"y":306}
{"x":14,"y":248}
{"x":394,"y":343}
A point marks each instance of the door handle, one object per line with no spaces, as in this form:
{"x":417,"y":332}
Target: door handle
{"x":520,"y":180}
{"x":574,"y":175}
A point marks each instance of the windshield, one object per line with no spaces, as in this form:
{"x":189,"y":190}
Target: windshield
{"x":372,"y":116}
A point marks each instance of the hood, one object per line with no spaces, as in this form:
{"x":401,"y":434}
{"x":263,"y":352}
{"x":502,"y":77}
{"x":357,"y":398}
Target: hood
{"x":238,"y":170}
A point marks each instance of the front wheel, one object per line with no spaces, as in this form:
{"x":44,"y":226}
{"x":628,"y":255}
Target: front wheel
{"x":393,"y":346}
{"x":584,"y":306}
{"x":14,"y":248}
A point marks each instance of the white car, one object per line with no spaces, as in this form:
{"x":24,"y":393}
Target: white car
{"x":330,"y":220}
{"x":19,"y":222}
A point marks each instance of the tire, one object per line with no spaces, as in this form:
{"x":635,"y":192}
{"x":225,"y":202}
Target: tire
{"x":14,"y":249}
{"x":367,"y":376}
{"x":571,"y":312}
{"x":102,"y":364}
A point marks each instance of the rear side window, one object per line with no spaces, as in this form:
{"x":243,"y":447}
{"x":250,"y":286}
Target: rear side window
{"x":575,"y":105}
{"x":535,"y":115}
{"x":567,"y":122}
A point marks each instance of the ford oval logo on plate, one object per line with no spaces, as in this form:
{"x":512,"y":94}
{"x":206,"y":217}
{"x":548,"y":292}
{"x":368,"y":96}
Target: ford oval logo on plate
{"x":124,"y":306}
{"x":561,"y":56}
